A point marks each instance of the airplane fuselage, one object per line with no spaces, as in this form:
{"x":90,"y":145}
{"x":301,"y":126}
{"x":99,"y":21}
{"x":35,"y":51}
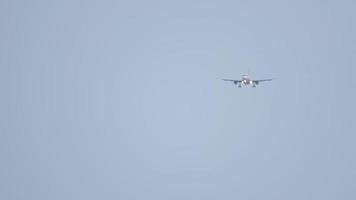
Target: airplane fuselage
{"x":246,"y":80}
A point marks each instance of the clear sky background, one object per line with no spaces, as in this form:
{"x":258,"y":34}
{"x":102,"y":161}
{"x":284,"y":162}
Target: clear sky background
{"x":120,"y":100}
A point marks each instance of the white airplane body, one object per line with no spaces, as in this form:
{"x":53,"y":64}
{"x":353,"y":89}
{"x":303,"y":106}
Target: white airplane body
{"x":247,"y":81}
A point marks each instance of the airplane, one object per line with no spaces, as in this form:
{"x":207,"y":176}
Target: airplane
{"x":246,"y":81}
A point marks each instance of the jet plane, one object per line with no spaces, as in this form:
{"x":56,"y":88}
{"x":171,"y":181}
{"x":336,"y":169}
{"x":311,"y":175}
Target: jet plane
{"x":247,"y":81}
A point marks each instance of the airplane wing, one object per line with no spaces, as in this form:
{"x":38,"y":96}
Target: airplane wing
{"x":234,"y":81}
{"x":262,"y":80}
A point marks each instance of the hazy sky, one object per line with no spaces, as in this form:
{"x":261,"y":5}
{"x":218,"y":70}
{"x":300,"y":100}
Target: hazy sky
{"x":120,"y":100}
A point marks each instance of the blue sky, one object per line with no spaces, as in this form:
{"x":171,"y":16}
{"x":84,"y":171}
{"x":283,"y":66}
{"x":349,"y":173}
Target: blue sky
{"x":120,"y":100}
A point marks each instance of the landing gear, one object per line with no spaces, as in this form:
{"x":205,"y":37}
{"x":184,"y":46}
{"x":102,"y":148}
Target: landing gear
{"x":239,"y":85}
{"x":253,"y":85}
